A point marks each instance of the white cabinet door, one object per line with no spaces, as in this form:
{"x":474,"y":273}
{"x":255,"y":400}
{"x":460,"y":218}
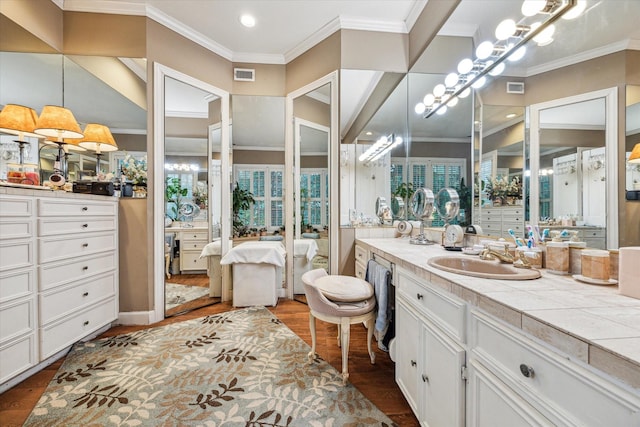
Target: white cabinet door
{"x":444,"y":388}
{"x":407,"y":345}
{"x":493,"y":404}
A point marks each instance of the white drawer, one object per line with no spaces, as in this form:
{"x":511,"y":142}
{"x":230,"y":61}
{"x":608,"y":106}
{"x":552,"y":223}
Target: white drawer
{"x":515,"y":214}
{"x":192,"y":261}
{"x":17,"y":356}
{"x":488,"y":217}
{"x":495,"y":226}
{"x":16,"y":284}
{"x":186,"y":236}
{"x":442,"y":309}
{"x":573,"y":394}
{"x":76,"y":296}
{"x":55,"y":337}
{"x":517,"y":227}
{"x":78,"y":208}
{"x":362,"y":255}
{"x":52,"y":275}
{"x":16,"y":206}
{"x":17,"y":318}
{"x":18,"y":228}
{"x":16,"y":254}
{"x":590,"y":234}
{"x":57,"y":226}
{"x":491,"y":211}
{"x":193,"y":245}
{"x":361,"y":270}
{"x":58,"y":248}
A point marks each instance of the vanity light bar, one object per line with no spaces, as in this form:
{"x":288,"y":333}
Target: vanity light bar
{"x":509,"y":50}
{"x":380,"y":148}
{"x":181,"y":167}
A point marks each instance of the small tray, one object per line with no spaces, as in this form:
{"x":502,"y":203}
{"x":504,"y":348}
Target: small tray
{"x":589,"y":280}
{"x":471,"y":251}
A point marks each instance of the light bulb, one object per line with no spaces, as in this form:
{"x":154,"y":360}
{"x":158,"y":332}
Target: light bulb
{"x":484,"y":50}
{"x":576,"y":10}
{"x":546,"y":36}
{"x":465,"y":66}
{"x":505,"y":29}
{"x":497,"y":70}
{"x":420,"y":108}
{"x":453,"y":102}
{"x":518,"y":54}
{"x":464,"y":93}
{"x":439,"y":90}
{"x":442,"y":110}
{"x":479,"y":83}
{"x":533,"y":7}
{"x":428,"y":100}
{"x":451,"y":80}
{"x":248,"y":21}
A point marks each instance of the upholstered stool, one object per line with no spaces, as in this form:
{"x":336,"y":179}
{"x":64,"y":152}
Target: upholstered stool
{"x":341,"y":300}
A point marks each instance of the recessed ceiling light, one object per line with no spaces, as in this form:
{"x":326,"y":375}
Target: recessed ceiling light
{"x":248,"y":21}
{"x":510,"y":115}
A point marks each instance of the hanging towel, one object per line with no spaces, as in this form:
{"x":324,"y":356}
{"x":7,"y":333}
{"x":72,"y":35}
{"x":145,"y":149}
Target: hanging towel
{"x":380,"y":278}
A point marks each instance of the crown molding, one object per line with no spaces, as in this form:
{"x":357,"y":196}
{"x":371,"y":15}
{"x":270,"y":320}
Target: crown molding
{"x":414,"y":13}
{"x":347,"y":23}
{"x":312,"y":40}
{"x":103,"y":6}
{"x":259,"y":58}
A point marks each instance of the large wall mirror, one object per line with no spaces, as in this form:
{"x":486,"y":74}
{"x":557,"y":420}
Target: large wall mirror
{"x":632,"y":136}
{"x":104,"y":90}
{"x":312,"y":146}
{"x":191,"y":133}
{"x":573,"y":164}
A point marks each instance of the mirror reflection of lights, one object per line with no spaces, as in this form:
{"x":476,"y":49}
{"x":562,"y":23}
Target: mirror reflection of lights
{"x":181,"y":167}
{"x":381,"y":147}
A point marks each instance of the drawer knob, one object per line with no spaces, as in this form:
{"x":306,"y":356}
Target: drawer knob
{"x":85,"y":245}
{"x":85,"y":268}
{"x":84,"y":208}
{"x":527,"y":371}
{"x":419,"y":296}
{"x":86,"y":294}
{"x":425,"y":379}
{"x":413,"y":363}
{"x":86,"y":322}
{"x":85,"y":225}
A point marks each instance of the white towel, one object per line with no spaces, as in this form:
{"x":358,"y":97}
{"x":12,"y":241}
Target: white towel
{"x":213,"y":248}
{"x":305,"y":247}
{"x":256,"y":253}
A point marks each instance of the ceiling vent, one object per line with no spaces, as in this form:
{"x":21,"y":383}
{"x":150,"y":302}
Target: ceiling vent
{"x":515,"y":87}
{"x":244,"y":74}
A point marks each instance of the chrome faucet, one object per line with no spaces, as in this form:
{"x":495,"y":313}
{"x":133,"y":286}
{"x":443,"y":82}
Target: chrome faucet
{"x":488,"y":253}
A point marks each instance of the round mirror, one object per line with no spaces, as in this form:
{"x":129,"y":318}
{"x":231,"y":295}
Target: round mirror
{"x":447,"y":204}
{"x":188,"y":211}
{"x":422,"y":203}
{"x":397,"y":207}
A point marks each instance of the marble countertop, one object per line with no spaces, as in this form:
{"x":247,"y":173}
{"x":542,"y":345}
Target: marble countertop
{"x":593,"y":324}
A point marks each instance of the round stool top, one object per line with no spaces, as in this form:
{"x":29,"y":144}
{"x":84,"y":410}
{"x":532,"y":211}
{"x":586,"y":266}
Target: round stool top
{"x":344,"y":288}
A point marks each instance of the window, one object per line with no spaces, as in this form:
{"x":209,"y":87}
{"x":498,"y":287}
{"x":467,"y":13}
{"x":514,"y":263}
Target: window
{"x":314,"y":191}
{"x":266,"y":183}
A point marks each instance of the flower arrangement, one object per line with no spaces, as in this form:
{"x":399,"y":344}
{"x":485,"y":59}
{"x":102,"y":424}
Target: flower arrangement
{"x":200,"y":196}
{"x":135,"y":170}
{"x":502,"y":187}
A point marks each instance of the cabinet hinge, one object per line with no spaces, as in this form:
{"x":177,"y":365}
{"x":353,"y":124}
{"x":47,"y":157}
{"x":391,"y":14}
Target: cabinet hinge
{"x":463,"y":373}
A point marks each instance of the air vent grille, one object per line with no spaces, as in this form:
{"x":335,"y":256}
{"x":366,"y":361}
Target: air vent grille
{"x":515,"y":87}
{"x":244,"y":74}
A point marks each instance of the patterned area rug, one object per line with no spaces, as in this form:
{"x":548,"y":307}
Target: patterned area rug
{"x":239,"y":368}
{"x":176,"y":295}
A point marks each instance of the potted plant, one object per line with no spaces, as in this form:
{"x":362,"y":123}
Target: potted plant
{"x":242,"y":200}
{"x":173,"y":194}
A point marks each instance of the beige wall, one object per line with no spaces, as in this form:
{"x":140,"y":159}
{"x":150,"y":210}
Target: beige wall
{"x":269,"y":80}
{"x":104,"y":34}
{"x":312,"y":110}
{"x":134,"y":257}
{"x":41,"y":18}
{"x":315,"y":63}
{"x":371,"y":50}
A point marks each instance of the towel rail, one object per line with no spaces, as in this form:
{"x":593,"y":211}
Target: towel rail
{"x":391,"y":266}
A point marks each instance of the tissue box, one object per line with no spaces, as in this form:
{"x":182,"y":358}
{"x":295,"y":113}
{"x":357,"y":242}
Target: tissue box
{"x":628,"y":271}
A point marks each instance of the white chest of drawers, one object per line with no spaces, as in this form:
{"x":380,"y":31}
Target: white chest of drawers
{"x":58,"y":274}
{"x":191,"y":244}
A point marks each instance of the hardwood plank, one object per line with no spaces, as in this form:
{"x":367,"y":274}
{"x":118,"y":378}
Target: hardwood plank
{"x":376,"y":382}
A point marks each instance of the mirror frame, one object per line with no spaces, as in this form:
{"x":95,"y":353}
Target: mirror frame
{"x":611,"y":149}
{"x":334,"y":156}
{"x":159,"y":73}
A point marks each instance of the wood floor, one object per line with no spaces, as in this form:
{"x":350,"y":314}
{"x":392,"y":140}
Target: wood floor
{"x":376,"y":382}
{"x":201,"y":280}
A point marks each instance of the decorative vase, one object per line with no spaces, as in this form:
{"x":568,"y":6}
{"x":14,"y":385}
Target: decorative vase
{"x":139,"y":191}
{"x":497,"y":201}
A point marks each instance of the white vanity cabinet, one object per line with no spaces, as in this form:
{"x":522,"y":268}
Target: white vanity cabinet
{"x":430,"y":350}
{"x":534,"y":385}
{"x":362,"y":257}
{"x":18,"y":316}
{"x":191,"y":244}
{"x":78,"y":269}
{"x":497,"y":221}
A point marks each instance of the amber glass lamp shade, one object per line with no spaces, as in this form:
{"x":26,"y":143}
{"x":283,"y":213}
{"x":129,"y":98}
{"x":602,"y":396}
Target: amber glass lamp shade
{"x":98,"y":138}
{"x":57,"y":122}
{"x":635,"y":154}
{"x":18,"y":120}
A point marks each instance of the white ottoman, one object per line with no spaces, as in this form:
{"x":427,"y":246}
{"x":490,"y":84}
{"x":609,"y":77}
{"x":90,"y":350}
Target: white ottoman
{"x":303,"y":252}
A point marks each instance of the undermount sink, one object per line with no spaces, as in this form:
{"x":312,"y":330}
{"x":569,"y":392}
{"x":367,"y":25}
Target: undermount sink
{"x":488,"y":269}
